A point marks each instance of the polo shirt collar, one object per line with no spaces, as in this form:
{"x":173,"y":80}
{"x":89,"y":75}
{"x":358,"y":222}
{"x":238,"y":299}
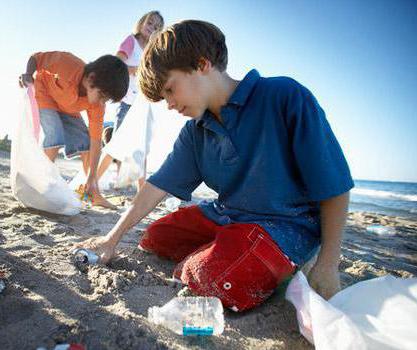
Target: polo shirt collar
{"x":238,"y":98}
{"x":244,"y":89}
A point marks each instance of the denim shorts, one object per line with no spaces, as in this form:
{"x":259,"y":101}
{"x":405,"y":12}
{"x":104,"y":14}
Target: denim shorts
{"x":121,"y":114}
{"x":62,"y":130}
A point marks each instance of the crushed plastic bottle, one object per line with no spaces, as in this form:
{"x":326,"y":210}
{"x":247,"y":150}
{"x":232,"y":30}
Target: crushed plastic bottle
{"x":381,"y":230}
{"x":172,"y":203}
{"x":82,"y":258}
{"x":199,"y":316}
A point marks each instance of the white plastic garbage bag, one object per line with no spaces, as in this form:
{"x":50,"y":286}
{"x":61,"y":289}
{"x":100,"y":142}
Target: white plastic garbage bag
{"x":376,"y":314}
{"x":35,"y":180}
{"x":130,"y":144}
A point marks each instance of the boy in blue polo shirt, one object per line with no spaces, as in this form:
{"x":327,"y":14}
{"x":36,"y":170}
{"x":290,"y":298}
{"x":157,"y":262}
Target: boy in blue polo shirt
{"x":265,"y":146}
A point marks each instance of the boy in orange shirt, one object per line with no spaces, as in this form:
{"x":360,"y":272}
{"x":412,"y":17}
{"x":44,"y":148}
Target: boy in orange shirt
{"x":65,"y":86}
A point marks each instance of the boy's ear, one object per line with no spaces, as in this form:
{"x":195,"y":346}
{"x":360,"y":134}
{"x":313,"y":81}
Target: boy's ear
{"x":91,"y":77}
{"x":204,"y":65}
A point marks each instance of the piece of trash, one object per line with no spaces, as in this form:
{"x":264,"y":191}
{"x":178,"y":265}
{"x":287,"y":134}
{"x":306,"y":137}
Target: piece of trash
{"x":172,"y":203}
{"x":2,"y":286}
{"x":73,"y":346}
{"x":85,"y":198}
{"x":196,"y":316}
{"x":381,"y":230}
{"x":82,"y":258}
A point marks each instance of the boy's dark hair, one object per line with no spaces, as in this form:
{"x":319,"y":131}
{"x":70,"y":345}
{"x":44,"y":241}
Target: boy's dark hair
{"x":111,"y":76}
{"x":180,"y":46}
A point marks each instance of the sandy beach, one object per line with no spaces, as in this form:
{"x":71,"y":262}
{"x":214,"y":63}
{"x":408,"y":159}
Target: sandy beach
{"x":48,"y":301}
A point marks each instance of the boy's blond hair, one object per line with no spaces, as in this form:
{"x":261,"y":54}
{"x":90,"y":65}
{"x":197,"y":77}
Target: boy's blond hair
{"x":180,"y":46}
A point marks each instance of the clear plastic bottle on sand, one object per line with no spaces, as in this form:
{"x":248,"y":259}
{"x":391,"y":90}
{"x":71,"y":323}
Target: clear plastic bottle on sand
{"x":381,"y":230}
{"x":190,"y":315}
{"x":172,"y":203}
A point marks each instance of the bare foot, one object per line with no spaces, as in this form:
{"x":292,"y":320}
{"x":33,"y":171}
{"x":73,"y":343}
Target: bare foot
{"x":99,"y":200}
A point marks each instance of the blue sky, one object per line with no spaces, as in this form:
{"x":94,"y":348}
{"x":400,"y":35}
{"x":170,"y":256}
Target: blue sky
{"x":358,"y":57}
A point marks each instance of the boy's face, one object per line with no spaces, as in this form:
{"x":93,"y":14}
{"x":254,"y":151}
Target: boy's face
{"x":94,"y":94}
{"x":186,"y":92}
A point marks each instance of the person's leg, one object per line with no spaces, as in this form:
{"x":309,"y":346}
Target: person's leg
{"x":105,"y":159}
{"x":120,"y":116}
{"x":51,"y":153}
{"x":77,"y":142}
{"x":77,"y":138}
{"x":178,"y":234}
{"x":142,"y":180}
{"x":242,"y":267}
{"x":53,"y":131}
{"x":104,"y":164}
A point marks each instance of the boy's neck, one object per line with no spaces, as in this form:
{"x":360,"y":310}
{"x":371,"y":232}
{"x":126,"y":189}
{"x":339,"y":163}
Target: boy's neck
{"x":223,"y":87}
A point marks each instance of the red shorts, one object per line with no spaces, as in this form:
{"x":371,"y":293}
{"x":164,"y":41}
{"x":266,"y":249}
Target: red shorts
{"x":238,"y":263}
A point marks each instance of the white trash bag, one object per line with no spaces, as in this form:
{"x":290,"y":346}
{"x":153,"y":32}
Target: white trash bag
{"x":130,"y":144}
{"x":35,"y":180}
{"x":377,"y":314}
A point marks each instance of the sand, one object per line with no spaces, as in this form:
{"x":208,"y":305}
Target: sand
{"x":48,"y":301}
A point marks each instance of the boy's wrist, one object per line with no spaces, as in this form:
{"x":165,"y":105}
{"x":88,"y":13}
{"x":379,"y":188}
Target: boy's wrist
{"x":328,"y":261}
{"x":112,"y":238}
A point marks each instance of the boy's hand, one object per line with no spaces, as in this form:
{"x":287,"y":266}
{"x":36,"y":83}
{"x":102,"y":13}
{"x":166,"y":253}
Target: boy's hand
{"x":25,"y":80}
{"x":325,"y":280}
{"x":99,"y":245}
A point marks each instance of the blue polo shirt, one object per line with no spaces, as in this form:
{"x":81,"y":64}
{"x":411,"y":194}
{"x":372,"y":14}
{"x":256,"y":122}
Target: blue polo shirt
{"x":271,"y":160}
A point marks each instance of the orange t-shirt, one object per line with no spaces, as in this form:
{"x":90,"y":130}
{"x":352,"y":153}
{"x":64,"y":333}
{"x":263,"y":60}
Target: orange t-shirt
{"x":58,"y":75}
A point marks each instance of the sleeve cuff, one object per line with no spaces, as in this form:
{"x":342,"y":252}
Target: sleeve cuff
{"x":181,"y":194}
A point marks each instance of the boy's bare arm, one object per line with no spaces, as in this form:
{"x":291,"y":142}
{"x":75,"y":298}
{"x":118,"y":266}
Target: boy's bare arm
{"x":324,"y":276}
{"x":95,"y":151}
{"x":143,"y":203}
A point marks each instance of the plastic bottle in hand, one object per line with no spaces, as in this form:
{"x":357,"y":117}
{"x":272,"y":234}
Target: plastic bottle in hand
{"x":190,"y":315}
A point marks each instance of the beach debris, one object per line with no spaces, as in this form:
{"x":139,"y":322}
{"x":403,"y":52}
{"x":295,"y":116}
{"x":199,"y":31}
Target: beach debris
{"x":72,"y":346}
{"x":2,"y":286}
{"x":85,"y":198}
{"x":82,"y":258}
{"x":381,"y":230}
{"x":172,"y":203}
{"x":190,"y":316}
{"x":2,"y":282}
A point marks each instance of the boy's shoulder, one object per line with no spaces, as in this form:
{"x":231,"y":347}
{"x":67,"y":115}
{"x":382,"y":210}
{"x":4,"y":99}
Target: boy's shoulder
{"x":281,"y":90}
{"x":280,"y":83}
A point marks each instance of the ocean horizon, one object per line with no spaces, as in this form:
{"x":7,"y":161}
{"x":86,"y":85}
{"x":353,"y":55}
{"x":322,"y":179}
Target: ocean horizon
{"x":395,"y":198}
